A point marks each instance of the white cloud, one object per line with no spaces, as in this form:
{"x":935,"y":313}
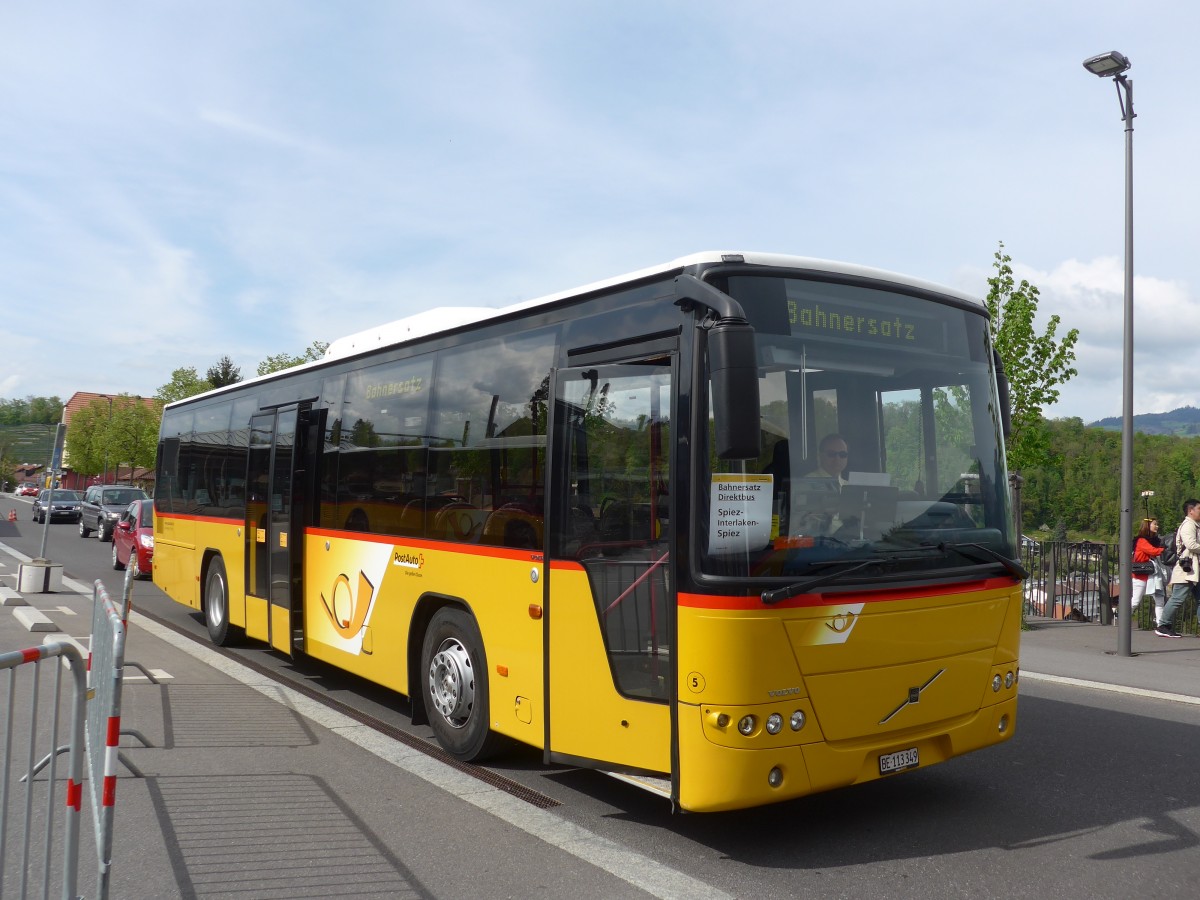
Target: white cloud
{"x":188,"y":180}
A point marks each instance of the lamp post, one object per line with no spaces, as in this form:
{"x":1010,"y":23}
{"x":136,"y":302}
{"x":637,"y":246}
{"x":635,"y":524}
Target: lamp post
{"x":107,"y":439}
{"x":1146,"y":495}
{"x":1114,"y":65}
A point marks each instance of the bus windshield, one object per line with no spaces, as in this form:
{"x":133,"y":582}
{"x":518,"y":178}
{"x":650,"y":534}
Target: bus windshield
{"x":881,"y":441}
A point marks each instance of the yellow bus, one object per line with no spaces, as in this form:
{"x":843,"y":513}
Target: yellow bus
{"x":735,"y":528}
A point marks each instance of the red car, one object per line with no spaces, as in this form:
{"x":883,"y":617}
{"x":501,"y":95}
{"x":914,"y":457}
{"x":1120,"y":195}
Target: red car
{"x":133,"y":539}
{"x":28,"y":489}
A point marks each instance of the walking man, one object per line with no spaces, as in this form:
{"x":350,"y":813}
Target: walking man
{"x":1186,"y":573}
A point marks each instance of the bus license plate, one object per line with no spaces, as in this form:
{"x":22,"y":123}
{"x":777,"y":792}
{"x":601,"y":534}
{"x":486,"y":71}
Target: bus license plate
{"x":901,"y":759}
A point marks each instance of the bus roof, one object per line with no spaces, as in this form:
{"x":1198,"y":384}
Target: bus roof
{"x":431,"y":321}
{"x":447,"y":318}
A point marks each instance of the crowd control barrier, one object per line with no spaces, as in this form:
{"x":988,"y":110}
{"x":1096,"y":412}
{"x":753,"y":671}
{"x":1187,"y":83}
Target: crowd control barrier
{"x":24,"y":721}
{"x":106,"y":666}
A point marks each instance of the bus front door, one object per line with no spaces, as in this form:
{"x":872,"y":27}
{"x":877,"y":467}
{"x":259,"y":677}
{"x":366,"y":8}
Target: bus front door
{"x":609,"y":597}
{"x":273,"y":545}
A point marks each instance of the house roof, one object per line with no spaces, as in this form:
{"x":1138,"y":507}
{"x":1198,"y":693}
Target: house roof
{"x":80,"y":399}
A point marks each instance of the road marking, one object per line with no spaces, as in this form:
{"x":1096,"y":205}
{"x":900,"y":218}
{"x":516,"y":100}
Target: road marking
{"x":1112,"y":688}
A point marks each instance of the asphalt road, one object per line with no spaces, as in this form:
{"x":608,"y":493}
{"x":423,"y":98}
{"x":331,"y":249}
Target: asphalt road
{"x":1097,"y":795}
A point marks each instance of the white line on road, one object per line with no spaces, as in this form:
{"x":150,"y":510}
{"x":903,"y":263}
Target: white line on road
{"x":1112,"y":688}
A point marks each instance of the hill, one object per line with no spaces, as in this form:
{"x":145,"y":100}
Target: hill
{"x":1184,"y":421}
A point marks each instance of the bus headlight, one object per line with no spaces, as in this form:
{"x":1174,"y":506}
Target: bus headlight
{"x":996,"y":682}
{"x":746,"y":725}
{"x":797,"y":720}
{"x":774,"y":723}
{"x":1009,"y":678}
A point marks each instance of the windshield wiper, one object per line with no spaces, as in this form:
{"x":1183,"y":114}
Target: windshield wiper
{"x":1014,"y":568}
{"x":804,"y":587}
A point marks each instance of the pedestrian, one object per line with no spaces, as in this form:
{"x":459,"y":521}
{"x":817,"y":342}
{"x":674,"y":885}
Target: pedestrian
{"x":1186,"y":572}
{"x":1147,"y":573}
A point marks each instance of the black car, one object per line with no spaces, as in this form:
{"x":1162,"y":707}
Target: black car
{"x":63,"y":505}
{"x":103,"y":505}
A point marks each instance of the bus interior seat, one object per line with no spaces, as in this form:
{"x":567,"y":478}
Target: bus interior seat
{"x":457,"y":521}
{"x":512,"y":525}
{"x":357,"y":520}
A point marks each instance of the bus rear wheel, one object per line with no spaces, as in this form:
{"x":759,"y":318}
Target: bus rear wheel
{"x":456,"y":686}
{"x":216,"y":605}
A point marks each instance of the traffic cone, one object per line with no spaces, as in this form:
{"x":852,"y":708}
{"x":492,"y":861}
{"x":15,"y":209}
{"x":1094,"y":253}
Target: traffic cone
{"x":12,"y":515}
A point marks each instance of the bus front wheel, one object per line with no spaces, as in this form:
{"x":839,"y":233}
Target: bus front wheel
{"x":456,"y":685}
{"x":216,"y":604}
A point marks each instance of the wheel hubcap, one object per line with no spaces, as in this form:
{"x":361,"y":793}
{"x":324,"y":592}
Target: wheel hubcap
{"x":213,"y":605}
{"x":452,"y":682}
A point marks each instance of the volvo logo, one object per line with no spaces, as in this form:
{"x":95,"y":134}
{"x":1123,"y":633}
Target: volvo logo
{"x":914,"y":696}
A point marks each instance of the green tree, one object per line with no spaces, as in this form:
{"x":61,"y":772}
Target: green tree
{"x":86,"y":438}
{"x":280,"y":361}
{"x":184,"y":383}
{"x":132,"y":434}
{"x":31,"y":411}
{"x":224,"y":373}
{"x":102,"y":437}
{"x":1035,"y":364}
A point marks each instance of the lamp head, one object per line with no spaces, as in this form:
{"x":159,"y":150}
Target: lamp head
{"x":1107,"y":65}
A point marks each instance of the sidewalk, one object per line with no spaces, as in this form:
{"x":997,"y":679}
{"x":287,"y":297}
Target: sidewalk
{"x":245,"y":787}
{"x":1087,"y":651}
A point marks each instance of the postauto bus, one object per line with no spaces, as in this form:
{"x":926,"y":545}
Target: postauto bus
{"x":600,"y":523}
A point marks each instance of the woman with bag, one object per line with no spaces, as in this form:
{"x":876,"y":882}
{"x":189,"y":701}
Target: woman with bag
{"x":1148,"y":577}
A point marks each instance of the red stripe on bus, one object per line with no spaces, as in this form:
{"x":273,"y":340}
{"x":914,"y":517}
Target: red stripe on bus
{"x":399,"y":540}
{"x":709,"y":601}
{"x":192,"y":517}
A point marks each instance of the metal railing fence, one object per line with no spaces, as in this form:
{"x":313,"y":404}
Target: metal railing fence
{"x":36,"y":858}
{"x":1080,"y":580}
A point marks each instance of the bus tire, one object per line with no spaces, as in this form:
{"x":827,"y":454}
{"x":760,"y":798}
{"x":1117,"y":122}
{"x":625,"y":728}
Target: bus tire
{"x":216,"y":604}
{"x":455,"y":685}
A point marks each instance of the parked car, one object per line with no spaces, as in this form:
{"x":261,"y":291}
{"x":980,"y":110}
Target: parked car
{"x":133,"y":539}
{"x":28,"y":489}
{"x":58,"y":504}
{"x":103,"y":504}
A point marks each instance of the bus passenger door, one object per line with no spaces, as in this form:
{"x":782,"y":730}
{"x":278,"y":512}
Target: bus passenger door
{"x":609,"y":597}
{"x":274,"y":528}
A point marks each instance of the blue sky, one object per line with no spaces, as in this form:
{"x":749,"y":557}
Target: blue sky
{"x":182,"y":180}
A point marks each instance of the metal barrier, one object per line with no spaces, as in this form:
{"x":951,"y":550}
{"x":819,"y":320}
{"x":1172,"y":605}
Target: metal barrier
{"x":106,"y":666}
{"x":1080,"y":581}
{"x":66,"y":657}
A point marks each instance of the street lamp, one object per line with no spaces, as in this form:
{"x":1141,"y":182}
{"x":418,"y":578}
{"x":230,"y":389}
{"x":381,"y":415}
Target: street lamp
{"x":1146,"y":495}
{"x":107,"y":438}
{"x":1114,"y":65}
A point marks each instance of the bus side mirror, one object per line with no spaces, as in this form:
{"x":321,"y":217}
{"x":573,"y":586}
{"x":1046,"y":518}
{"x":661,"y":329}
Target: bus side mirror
{"x":733,"y":367}
{"x":1002,"y":390}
